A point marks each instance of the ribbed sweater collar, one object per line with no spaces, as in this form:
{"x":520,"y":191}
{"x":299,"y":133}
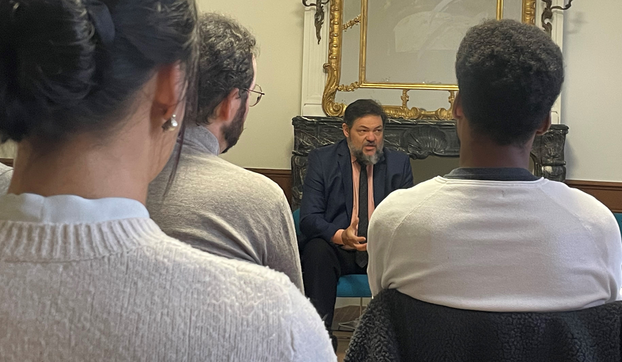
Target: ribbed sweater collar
{"x":61,"y":228}
{"x":201,"y":139}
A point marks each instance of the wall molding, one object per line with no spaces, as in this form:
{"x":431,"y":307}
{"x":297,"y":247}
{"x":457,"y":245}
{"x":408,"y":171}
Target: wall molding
{"x":282,"y":177}
{"x":609,"y":193}
{"x":314,"y":56}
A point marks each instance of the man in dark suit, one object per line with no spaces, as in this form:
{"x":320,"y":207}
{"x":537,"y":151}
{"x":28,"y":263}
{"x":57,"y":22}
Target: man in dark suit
{"x":344,"y":183}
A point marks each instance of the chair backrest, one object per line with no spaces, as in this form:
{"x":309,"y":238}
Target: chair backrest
{"x":296,"y":215}
{"x":353,"y":286}
{"x":619,"y":218}
{"x":396,"y":327}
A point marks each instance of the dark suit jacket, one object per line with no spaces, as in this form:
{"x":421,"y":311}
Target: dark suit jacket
{"x":327,"y":191}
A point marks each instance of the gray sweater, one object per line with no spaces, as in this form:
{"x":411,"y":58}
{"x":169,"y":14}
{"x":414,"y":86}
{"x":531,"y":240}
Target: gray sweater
{"x":224,"y":209}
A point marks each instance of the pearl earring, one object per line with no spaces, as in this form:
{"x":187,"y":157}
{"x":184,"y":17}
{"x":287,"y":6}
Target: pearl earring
{"x":171,"y":124}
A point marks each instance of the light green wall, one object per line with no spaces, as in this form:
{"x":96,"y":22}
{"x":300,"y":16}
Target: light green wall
{"x":7,"y":150}
{"x":268,"y":138}
{"x":593,"y":55}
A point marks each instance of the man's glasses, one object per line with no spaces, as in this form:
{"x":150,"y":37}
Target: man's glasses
{"x":254,"y":95}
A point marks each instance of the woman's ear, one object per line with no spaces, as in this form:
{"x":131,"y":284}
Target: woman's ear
{"x":168,"y":89}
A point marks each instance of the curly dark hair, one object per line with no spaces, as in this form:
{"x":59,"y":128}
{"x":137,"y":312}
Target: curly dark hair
{"x":509,"y":75}
{"x":361,"y":108}
{"x":226,"y":51}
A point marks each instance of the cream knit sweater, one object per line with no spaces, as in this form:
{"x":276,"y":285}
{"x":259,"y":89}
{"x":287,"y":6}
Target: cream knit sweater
{"x":501,"y":246}
{"x":97,"y":280}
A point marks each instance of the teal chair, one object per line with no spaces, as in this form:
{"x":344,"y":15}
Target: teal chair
{"x":619,"y":218}
{"x":349,"y":286}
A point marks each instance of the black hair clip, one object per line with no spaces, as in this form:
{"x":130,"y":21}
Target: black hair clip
{"x":102,"y":20}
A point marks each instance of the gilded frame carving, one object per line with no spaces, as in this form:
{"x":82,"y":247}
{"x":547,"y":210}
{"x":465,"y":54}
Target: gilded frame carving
{"x":333,"y":67}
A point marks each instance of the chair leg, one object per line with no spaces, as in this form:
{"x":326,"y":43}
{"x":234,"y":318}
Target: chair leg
{"x":360,"y":307}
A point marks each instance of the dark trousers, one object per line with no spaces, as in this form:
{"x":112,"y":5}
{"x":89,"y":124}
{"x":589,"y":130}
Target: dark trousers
{"x":323,"y":263}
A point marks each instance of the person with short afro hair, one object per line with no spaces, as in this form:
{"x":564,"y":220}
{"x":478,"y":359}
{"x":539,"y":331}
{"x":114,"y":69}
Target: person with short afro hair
{"x":509,"y":76}
{"x":490,"y":235}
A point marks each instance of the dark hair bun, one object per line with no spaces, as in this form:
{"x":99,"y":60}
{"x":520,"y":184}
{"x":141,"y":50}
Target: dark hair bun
{"x":70,"y":66}
{"x":46,"y":64}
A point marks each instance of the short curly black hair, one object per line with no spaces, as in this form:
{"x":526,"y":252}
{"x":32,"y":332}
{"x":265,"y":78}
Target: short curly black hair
{"x":226,"y":51}
{"x":509,"y":75}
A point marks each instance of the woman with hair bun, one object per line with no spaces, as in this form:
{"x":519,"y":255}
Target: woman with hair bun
{"x":94,"y":93}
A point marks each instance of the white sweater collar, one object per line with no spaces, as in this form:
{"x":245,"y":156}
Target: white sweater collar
{"x":68,"y":209}
{"x":66,"y":228}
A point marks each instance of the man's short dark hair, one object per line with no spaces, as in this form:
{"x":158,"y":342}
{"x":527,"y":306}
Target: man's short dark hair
{"x":509,"y":75}
{"x":361,"y":108}
{"x":226,"y":51}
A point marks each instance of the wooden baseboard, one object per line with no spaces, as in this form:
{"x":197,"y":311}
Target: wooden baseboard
{"x":609,"y":193}
{"x":7,"y":161}
{"x":282,"y":177}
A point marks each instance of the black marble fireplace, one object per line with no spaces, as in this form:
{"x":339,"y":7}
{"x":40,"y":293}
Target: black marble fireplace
{"x":418,"y":139}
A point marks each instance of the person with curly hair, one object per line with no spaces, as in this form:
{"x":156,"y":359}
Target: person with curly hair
{"x":214,"y":205}
{"x":490,"y":235}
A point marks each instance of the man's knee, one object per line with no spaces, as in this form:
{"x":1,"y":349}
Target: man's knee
{"x":317,"y":250}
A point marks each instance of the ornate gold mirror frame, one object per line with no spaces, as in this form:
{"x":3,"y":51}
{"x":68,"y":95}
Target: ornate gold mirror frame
{"x":333,"y":67}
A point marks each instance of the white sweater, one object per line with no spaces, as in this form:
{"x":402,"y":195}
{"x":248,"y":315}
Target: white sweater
{"x":496,"y":246}
{"x":97,"y":280}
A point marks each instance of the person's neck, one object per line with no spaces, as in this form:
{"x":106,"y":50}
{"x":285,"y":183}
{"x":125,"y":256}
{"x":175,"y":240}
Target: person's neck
{"x":484,"y":153}
{"x":85,"y":168}
{"x":215,"y":127}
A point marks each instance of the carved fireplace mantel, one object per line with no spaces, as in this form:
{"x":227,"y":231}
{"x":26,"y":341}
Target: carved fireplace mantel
{"x":419,"y":139}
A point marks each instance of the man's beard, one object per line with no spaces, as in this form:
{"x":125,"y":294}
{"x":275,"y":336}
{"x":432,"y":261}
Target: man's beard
{"x":232,"y":132}
{"x":361,"y":157}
